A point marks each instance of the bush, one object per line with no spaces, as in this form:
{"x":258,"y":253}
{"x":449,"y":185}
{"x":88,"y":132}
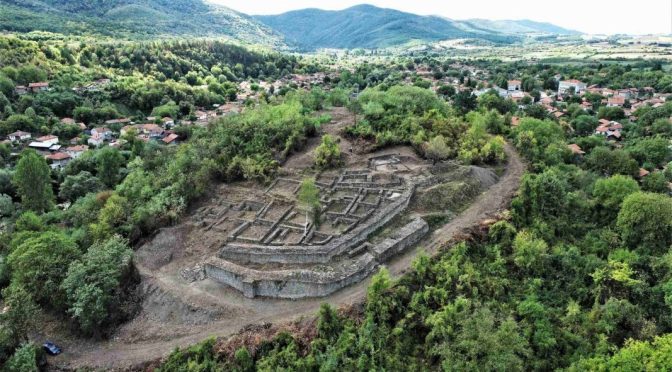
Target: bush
{"x":328,"y":153}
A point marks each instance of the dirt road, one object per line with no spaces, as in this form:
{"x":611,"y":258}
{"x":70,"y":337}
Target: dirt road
{"x":122,"y":352}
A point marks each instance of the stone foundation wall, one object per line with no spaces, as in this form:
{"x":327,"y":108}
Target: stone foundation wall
{"x":302,"y":283}
{"x":289,"y":284}
{"x":298,"y":254}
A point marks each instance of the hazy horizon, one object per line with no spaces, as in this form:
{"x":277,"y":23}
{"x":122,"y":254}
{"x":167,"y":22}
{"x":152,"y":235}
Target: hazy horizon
{"x":591,"y":17}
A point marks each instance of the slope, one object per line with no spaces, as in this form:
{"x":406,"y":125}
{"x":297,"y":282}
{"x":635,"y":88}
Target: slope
{"x":367,"y":26}
{"x":134,"y":19}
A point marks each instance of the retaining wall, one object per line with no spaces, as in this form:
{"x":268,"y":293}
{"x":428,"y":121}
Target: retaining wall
{"x":302,"y":283}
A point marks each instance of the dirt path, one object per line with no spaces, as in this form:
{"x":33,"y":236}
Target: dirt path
{"x":119,"y":352}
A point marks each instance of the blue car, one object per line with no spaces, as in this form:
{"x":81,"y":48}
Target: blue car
{"x":51,"y":348}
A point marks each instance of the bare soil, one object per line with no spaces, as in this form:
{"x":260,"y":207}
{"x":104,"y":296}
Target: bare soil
{"x":175,"y":314}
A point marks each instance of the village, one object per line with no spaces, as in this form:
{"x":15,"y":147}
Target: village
{"x":117,"y":132}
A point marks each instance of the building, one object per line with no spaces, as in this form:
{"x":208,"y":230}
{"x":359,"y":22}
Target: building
{"x":103,"y":132}
{"x":38,"y":87}
{"x":44,"y":146}
{"x":21,"y":90}
{"x":96,"y":140}
{"x":170,"y":139}
{"x":58,"y":160}
{"x":168,"y":122}
{"x":565,"y":86}
{"x":19,"y":136}
{"x":514,"y":85}
{"x":50,"y":139}
{"x":76,"y":151}
{"x":145,"y":131}
{"x":616,"y":101}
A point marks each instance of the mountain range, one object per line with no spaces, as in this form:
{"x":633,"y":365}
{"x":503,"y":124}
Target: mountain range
{"x":367,"y":26}
{"x":362,"y":26}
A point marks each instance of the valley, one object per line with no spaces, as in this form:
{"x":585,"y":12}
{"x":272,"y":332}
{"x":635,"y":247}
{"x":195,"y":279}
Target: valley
{"x":186,"y":186}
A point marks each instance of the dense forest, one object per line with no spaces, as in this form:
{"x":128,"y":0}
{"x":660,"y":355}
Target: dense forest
{"x":576,"y":275}
{"x":135,"y":20}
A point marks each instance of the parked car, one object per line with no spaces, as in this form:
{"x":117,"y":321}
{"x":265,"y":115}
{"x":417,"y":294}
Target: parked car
{"x":51,"y":348}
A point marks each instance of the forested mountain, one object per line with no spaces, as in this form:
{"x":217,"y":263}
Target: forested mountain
{"x":522,"y":26}
{"x":134,"y":19}
{"x":366,"y":26}
{"x":362,"y":26}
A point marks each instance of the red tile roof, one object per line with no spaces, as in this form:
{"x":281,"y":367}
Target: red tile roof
{"x":58,"y":156}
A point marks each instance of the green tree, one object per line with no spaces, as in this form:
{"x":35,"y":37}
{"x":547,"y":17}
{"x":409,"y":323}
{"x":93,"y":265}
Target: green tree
{"x":645,"y":220}
{"x":654,"y":150}
{"x":23,"y":360}
{"x":649,"y":356}
{"x":655,"y":182}
{"x":309,"y":199}
{"x":76,"y":186}
{"x":608,"y":162}
{"x":21,"y":312}
{"x":528,"y":250}
{"x":610,"y":192}
{"x":92,"y":284}
{"x":32,"y":180}
{"x":109,"y":161}
{"x":39,"y":265}
{"x":437,"y":149}
{"x":328,"y":153}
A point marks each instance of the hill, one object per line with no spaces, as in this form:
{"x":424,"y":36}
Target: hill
{"x":366,"y":26}
{"x":523,"y":26}
{"x":134,"y":19}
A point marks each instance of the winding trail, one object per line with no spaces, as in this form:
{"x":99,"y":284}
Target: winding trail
{"x":118,"y":354}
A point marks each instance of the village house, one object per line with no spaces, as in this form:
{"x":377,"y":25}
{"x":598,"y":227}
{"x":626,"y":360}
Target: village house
{"x":566,"y":85}
{"x":38,"y":87}
{"x":44,"y":147}
{"x":609,"y":129}
{"x":616,"y":101}
{"x":19,"y":136}
{"x":103,"y":132}
{"x":201,"y":115}
{"x":513,"y":85}
{"x":21,"y":90}
{"x":50,"y":139}
{"x":58,"y":160}
{"x":150,"y":130}
{"x":96,"y":139}
{"x":170,"y":139}
{"x":76,"y":151}
{"x":167,"y":122}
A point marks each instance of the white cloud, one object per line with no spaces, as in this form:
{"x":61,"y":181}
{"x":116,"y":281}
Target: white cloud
{"x":591,"y":16}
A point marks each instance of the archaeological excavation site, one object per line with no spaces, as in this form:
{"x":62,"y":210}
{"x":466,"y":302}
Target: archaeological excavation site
{"x":256,"y":239}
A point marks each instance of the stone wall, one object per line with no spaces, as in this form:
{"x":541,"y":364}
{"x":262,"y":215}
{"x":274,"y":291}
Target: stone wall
{"x":297,"y":254}
{"x":302,"y":283}
{"x":290,"y":284}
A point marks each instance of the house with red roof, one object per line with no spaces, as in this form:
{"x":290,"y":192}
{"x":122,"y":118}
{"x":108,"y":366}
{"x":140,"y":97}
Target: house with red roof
{"x":38,"y":87}
{"x":58,"y":160}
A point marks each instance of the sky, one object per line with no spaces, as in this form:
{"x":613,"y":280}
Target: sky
{"x":589,"y":16}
